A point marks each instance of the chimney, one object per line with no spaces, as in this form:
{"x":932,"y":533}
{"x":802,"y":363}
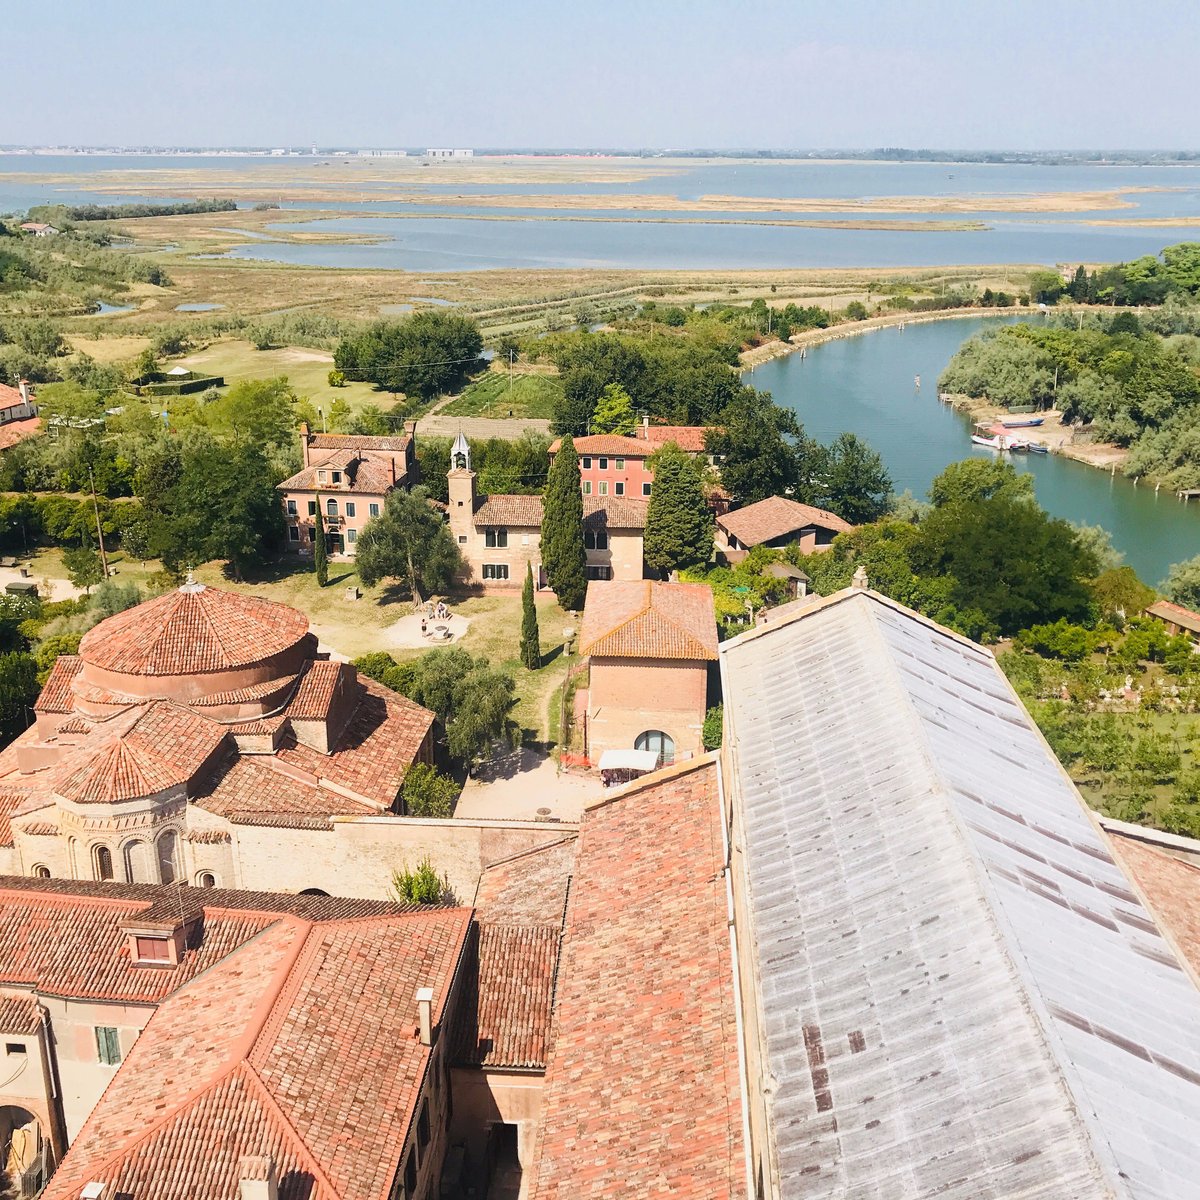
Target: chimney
{"x":92,"y":1191}
{"x":23,"y":386}
{"x":425,"y":1015}
{"x":645,"y":420}
{"x":257,"y":1179}
{"x":859,"y":580}
{"x":304,"y":441}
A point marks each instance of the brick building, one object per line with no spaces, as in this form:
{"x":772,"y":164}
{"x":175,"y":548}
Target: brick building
{"x":649,"y":647}
{"x":776,"y":522}
{"x":498,"y":535}
{"x":349,"y":478}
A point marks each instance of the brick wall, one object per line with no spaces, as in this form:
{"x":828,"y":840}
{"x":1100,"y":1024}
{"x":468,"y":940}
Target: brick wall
{"x":626,"y":697}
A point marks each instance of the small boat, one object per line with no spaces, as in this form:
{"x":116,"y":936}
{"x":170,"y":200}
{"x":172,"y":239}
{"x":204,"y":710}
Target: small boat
{"x":1023,"y":423}
{"x":992,"y":443}
{"x":944,"y":397}
{"x":1038,"y":448}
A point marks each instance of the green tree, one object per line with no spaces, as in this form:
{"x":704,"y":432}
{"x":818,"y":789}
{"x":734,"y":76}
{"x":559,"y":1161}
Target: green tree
{"x":856,"y":310}
{"x":679,"y":524}
{"x":763,"y":451}
{"x":428,"y":793}
{"x":427,"y":353}
{"x":1120,"y":594}
{"x":714,"y":727}
{"x":855,"y":483}
{"x":420,"y":886}
{"x":18,"y":691}
{"x":320,"y":554}
{"x":84,"y":568}
{"x":409,"y":541}
{"x":614,"y":412}
{"x":1182,"y":584}
{"x":259,"y":411}
{"x":563,"y":553}
{"x":976,"y":479}
{"x":531,"y":647}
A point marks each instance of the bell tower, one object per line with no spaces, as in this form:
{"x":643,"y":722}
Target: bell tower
{"x":461,"y":489}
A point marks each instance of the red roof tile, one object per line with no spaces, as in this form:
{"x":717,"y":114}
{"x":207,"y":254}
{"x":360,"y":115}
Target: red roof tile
{"x":1170,"y":885}
{"x":56,"y":696}
{"x":606,"y":443}
{"x":642,"y":1089}
{"x":504,"y":1017}
{"x":647,"y":619}
{"x":1175,"y":614}
{"x":19,"y":431}
{"x":777,"y":517}
{"x":193,"y":630}
{"x":525,"y":512}
{"x":19,"y":1014}
{"x":357,"y":441}
{"x":317,"y":689}
{"x":529,"y":888}
{"x":366,"y":477}
{"x":689,"y":438}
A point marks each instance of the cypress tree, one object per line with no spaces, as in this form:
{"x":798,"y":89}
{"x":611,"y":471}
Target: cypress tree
{"x":679,"y":526}
{"x":320,"y":558}
{"x":531,"y":649}
{"x":563,"y":553}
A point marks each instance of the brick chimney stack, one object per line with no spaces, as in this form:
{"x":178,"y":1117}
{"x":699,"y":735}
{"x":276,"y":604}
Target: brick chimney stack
{"x":425,"y":1015}
{"x":257,"y":1177}
{"x":304,"y":436}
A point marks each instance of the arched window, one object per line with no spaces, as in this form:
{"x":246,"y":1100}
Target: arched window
{"x":331,"y":507}
{"x":595,"y":539}
{"x":168,"y":849}
{"x":102,"y":863}
{"x":41,"y":872}
{"x":661,"y":743}
{"x":206,"y":879}
{"x":139,"y":863}
{"x":312,"y":892}
{"x":73,"y":856}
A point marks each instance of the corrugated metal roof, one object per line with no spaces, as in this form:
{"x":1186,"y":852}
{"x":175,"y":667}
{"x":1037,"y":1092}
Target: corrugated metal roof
{"x":962,"y":995}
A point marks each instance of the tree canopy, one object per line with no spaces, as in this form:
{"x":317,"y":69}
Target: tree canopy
{"x":563,"y":554}
{"x":409,"y":541}
{"x":423,"y":355}
{"x":679,"y":524}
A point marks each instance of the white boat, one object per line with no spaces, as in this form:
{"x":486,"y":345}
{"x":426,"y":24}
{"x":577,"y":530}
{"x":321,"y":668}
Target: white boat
{"x":992,"y":443}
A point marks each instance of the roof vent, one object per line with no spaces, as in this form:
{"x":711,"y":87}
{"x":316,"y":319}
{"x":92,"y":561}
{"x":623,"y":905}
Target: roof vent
{"x":425,"y":1014}
{"x":257,"y":1179}
{"x":92,"y":1191}
{"x":860,"y":580}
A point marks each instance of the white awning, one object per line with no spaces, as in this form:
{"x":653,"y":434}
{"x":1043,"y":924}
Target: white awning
{"x":628,"y":760}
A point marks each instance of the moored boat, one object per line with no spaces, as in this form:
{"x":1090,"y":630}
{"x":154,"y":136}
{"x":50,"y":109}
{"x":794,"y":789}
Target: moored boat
{"x":992,"y":443}
{"x":1023,"y":423}
{"x":1038,"y":448}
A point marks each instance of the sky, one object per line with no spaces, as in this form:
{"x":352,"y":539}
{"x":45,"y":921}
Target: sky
{"x":961,"y":74}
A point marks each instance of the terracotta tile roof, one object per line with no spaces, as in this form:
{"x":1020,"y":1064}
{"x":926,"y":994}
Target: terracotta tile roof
{"x":368,"y":477}
{"x":19,"y":431}
{"x":209,"y":837}
{"x":777,"y":517}
{"x":1176,"y":614}
{"x":40,"y":829}
{"x":317,"y":688}
{"x":381,"y":742}
{"x":614,"y":512}
{"x":606,"y":443}
{"x":357,"y":441}
{"x":192,"y":631}
{"x":252,"y":790}
{"x":525,"y":512}
{"x":504,"y":1016}
{"x":647,"y":619}
{"x":75,"y":725}
{"x":19,"y":1014}
{"x":246,"y":695}
{"x":10,"y":804}
{"x":56,"y":696}
{"x":163,"y":747}
{"x":642,"y":1094}
{"x":689,"y":438}
{"x":1172,"y":887}
{"x":529,"y":888}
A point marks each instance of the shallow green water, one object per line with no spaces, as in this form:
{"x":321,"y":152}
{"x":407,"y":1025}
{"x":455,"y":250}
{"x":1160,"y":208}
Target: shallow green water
{"x":865,"y":384}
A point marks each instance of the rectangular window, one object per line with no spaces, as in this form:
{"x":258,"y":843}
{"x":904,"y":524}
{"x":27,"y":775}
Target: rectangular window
{"x":645,"y":489}
{"x":604,"y":487}
{"x":619,"y":488}
{"x":352,"y":535}
{"x":599,"y":572}
{"x":108,"y":1045}
{"x":293,"y":533}
{"x":587,"y":463}
{"x":423,"y":1126}
{"x":462,"y":539}
{"x":620,"y":464}
{"x":587,"y":487}
{"x":604,"y":464}
{"x":321,"y":476}
{"x":410,"y":1176}
{"x":291,"y":508}
{"x":495,"y":570}
{"x":337,"y":477}
{"x":496,"y":538}
{"x":312,"y":508}
{"x":373,"y":509}
{"x":350,"y":508}
{"x":11,"y":1048}
{"x":152,"y":949}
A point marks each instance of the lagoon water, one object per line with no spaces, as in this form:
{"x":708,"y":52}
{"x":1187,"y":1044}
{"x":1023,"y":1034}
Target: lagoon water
{"x":422,"y":237}
{"x":864,"y":384}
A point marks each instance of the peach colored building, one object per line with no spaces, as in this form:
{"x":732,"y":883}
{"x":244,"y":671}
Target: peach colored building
{"x":349,"y":477}
{"x":649,"y":646}
{"x":498,"y":535}
{"x":776,"y":522}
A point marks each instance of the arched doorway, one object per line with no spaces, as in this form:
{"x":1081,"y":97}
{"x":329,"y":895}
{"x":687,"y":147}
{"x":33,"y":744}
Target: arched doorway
{"x":26,"y":1157}
{"x":661,"y":743}
{"x":168,"y":856}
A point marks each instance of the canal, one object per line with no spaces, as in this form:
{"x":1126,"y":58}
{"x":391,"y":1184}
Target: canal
{"x":864,"y":384}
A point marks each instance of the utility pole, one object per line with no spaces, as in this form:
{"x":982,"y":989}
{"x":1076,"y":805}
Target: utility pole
{"x":99,"y":529}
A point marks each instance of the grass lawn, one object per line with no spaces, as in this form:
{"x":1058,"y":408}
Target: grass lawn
{"x":490,"y":396}
{"x":306,"y":370}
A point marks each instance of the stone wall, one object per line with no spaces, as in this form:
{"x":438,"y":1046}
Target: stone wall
{"x":628,"y":696}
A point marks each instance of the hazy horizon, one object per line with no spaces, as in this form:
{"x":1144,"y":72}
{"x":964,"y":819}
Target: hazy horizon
{"x":678,"y":74}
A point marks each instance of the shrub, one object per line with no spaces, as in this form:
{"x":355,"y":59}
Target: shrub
{"x":422,"y":886}
{"x":428,"y":793}
{"x":714,"y":723}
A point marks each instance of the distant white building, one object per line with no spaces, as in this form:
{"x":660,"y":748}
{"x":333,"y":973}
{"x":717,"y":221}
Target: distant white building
{"x":16,"y":404}
{"x":449,"y":153}
{"x":383,"y":154}
{"x":38,"y":229}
